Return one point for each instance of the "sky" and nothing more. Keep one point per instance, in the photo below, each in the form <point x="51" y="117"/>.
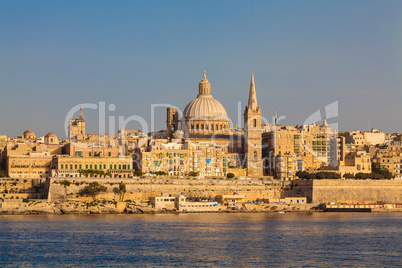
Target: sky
<point x="133" y="55"/>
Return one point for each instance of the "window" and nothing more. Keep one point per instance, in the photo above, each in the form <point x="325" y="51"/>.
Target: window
<point x="90" y="154"/>
<point x="96" y="166"/>
<point x="255" y="123"/>
<point x="110" y="154"/>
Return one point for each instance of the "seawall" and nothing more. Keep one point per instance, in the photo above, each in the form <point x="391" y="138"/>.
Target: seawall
<point x="142" y="189"/>
<point x="347" y="191"/>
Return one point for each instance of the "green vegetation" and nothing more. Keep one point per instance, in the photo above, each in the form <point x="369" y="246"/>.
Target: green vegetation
<point x="93" y="189"/>
<point x="25" y="200"/>
<point x="348" y="176"/>
<point x="304" y="175"/>
<point x="92" y="172"/>
<point x="193" y="174"/>
<point x="375" y="175"/>
<point x="230" y="175"/>
<point x="1" y="175"/>
<point x="66" y="183"/>
<point x="159" y="173"/>
<point x="122" y="190"/>
<point x="138" y="173"/>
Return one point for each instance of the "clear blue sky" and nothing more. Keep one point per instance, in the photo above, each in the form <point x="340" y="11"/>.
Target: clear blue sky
<point x="304" y="54"/>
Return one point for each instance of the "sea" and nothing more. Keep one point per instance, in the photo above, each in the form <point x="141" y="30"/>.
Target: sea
<point x="202" y="240"/>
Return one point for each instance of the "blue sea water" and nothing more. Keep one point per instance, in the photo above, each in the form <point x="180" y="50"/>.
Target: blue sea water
<point x="202" y="240"/>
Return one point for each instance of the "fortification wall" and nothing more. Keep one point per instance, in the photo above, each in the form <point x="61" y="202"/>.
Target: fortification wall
<point x="357" y="191"/>
<point x="20" y="188"/>
<point x="142" y="189"/>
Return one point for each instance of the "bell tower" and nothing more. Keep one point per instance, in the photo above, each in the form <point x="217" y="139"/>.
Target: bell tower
<point x="172" y="122"/>
<point x="252" y="134"/>
<point x="77" y="127"/>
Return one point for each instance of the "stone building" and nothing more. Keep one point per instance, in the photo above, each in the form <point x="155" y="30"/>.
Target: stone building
<point x="202" y="140"/>
<point x="76" y="128"/>
<point x="289" y="149"/>
<point x="70" y="166"/>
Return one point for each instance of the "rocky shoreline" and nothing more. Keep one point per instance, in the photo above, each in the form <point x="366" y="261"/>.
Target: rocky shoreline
<point x="111" y="207"/>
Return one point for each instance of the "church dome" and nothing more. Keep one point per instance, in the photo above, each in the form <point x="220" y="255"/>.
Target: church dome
<point x="204" y="115"/>
<point x="50" y="134"/>
<point x="205" y="106"/>
<point x="28" y="134"/>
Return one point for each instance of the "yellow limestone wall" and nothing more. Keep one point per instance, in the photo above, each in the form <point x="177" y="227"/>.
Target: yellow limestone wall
<point x="142" y="189"/>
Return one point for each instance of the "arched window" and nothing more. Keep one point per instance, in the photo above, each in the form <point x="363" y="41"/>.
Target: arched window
<point x="192" y="126"/>
<point x="202" y="126"/>
<point x="172" y="117"/>
<point x="212" y="126"/>
<point x="197" y="127"/>
<point x="221" y="127"/>
<point x="216" y="127"/>
<point x="51" y="140"/>
<point x="255" y="122"/>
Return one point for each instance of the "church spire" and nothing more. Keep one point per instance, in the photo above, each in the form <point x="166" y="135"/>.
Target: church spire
<point x="81" y="116"/>
<point x="325" y="124"/>
<point x="252" y="99"/>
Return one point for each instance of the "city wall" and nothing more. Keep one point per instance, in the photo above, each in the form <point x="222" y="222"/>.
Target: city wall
<point x="142" y="189"/>
<point x="347" y="191"/>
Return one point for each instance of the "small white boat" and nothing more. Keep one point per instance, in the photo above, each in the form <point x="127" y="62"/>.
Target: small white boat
<point x="281" y="212"/>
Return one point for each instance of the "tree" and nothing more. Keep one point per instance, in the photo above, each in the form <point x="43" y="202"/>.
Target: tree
<point x="1" y="175"/>
<point x="385" y="173"/>
<point x="93" y="189"/>
<point x="92" y="172"/>
<point x="138" y="173"/>
<point x="304" y="175"/>
<point x="348" y="176"/>
<point x="230" y="175"/>
<point x="193" y="173"/>
<point x="122" y="190"/>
